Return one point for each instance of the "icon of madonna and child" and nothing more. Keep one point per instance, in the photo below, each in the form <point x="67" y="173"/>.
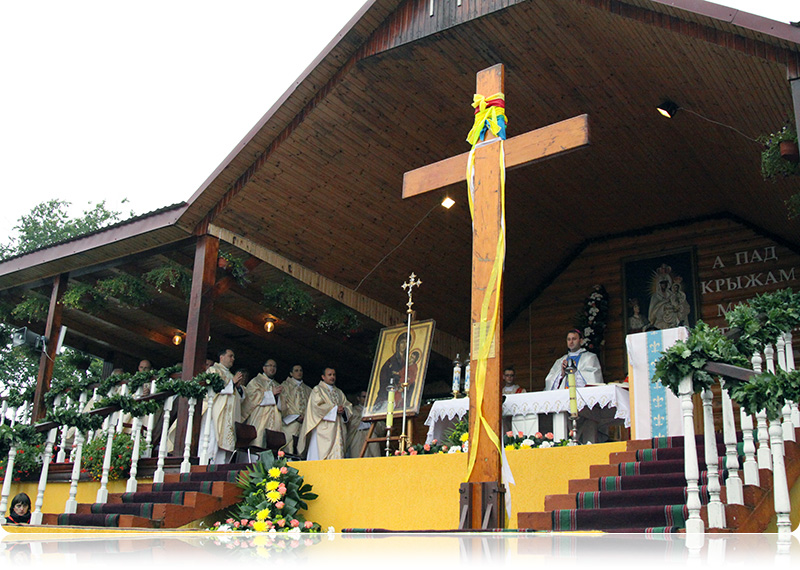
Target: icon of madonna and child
<point x="668" y="306"/>
<point x="389" y="368"/>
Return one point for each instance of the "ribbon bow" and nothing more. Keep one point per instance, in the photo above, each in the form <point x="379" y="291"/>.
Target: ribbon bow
<point x="490" y="113"/>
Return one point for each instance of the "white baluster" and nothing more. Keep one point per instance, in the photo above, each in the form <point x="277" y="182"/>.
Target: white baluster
<point x="780" y="486"/>
<point x="61" y="457"/>
<point x="186" y="464"/>
<point x="3" y="411"/>
<point x="73" y="451"/>
<point x="136" y="431"/>
<point x="12" y="454"/>
<point x="786" y="411"/>
<point x="158" y="476"/>
<point x="102" y="492"/>
<point x="733" y="483"/>
<point x="787" y="337"/>
<point x="36" y="515"/>
<point x="149" y="424"/>
<point x="780" y="346"/>
<point x="750" y="464"/>
<point x="123" y="390"/>
<point x="206" y="429"/>
<point x="764" y="455"/>
<point x="71" y="505"/>
<point x="716" y="510"/>
<point x="694" y="524"/>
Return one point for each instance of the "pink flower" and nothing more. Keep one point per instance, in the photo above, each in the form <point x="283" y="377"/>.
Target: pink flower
<point x="229" y="521"/>
<point x="281" y="523"/>
<point x="236" y="524"/>
<point x="281" y="454"/>
<point x="216" y="523"/>
<point x="308" y="524"/>
<point x="520" y="434"/>
<point x="549" y="435"/>
<point x="510" y="433"/>
<point x="295" y="523"/>
<point x="282" y="489"/>
<point x="279" y="505"/>
<point x="538" y="435"/>
<point x="444" y="448"/>
<point x="284" y="470"/>
<point x="412" y="452"/>
<point x="243" y="522"/>
<point x="397" y="452"/>
<point x="435" y="441"/>
<point x="426" y="447"/>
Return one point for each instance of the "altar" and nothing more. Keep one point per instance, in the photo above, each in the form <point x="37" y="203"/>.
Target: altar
<point x="604" y="404"/>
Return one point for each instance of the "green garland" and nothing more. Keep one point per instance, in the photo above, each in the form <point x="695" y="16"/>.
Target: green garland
<point x="73" y="418"/>
<point x="705" y="344"/>
<point x="763" y="319"/>
<point x="768" y="392"/>
<point x="64" y="386"/>
<point x="210" y="380"/>
<point x="129" y="405"/>
<point x="182" y="389"/>
<point x="16" y="399"/>
<point x="20" y="433"/>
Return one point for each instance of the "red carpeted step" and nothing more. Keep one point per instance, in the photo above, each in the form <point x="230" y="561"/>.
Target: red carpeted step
<point x="172" y="497"/>
<point x="620" y="518"/>
<point x="197" y="486"/>
<point x="652" y="481"/>
<point x="230" y="476"/>
<point x="657" y="467"/>
<point x="636" y="498"/>
<point x="650" y="530"/>
<point x="144" y="510"/>
<point x="105" y="520"/>
<point x="227" y="467"/>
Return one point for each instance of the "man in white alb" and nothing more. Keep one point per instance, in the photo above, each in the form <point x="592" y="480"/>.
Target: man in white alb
<point x="586" y="363"/>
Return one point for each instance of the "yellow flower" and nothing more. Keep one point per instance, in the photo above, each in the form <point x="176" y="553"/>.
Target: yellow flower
<point x="274" y="472"/>
<point x="259" y="526"/>
<point x="273" y="496"/>
<point x="262" y="515"/>
<point x="509" y="447"/>
<point x="464" y="436"/>
<point x="272" y="485"/>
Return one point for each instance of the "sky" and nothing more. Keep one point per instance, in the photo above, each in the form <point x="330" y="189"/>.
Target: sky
<point x="142" y="100"/>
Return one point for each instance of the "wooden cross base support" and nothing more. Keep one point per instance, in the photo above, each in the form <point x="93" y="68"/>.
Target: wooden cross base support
<point x="382" y="440"/>
<point x="482" y="506"/>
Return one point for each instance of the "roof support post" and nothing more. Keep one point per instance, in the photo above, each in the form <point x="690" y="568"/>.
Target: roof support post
<point x="198" y="327"/>
<point x="795" y="83"/>
<point x="52" y="331"/>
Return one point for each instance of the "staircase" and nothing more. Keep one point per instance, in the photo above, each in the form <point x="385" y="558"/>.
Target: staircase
<point x="181" y="499"/>
<point x="643" y="490"/>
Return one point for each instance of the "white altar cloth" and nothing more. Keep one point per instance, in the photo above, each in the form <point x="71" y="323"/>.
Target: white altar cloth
<point x="444" y="413"/>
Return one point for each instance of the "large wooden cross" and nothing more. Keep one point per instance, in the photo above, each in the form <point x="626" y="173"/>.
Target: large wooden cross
<point x="523" y="149"/>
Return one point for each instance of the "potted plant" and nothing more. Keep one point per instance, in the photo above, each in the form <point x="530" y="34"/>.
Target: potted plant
<point x="234" y="265"/>
<point x="780" y="155"/>
<point x="170" y="274"/>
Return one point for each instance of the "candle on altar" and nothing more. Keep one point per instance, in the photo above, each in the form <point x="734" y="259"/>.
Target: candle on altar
<point x="466" y="376"/>
<point x="573" y="396"/>
<point x="456" y="377"/>
<point x="390" y="408"/>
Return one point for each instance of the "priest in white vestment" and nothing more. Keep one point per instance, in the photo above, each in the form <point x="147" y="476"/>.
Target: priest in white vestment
<point x="324" y="430"/>
<point x="292" y="404"/>
<point x="260" y="405"/>
<point x="587" y="364"/>
<point x="226" y="408"/>
<point x="357" y="431"/>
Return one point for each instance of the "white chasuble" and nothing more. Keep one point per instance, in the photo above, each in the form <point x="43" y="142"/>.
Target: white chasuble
<point x="323" y="429"/>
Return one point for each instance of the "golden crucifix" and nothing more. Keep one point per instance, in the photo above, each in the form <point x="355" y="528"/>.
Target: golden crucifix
<point x="412" y="282"/>
<point x="486" y="342"/>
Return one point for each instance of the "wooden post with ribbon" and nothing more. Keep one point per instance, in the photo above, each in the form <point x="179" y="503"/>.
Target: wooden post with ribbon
<point x="484" y="170"/>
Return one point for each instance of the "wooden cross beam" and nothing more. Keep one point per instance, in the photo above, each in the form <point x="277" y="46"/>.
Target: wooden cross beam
<point x="521" y="150"/>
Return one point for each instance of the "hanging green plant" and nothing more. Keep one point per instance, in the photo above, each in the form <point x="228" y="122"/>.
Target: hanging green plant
<point x="768" y="391"/>
<point x="128" y="290"/>
<point x="338" y="318"/>
<point x="172" y="275"/>
<point x="763" y="319"/>
<point x="773" y="163"/>
<point x="287" y="297"/>
<point x="236" y="267"/>
<point x="33" y="308"/>
<point x="83" y="297"/>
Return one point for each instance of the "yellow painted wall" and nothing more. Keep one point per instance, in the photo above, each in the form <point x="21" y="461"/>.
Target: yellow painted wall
<point x="421" y="492"/>
<point x="56" y="494"/>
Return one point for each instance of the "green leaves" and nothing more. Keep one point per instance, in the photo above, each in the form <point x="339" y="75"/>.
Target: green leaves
<point x="768" y="392"/>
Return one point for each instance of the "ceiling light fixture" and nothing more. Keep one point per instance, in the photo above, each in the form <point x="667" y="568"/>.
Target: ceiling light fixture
<point x="269" y="326"/>
<point x="177" y="339"/>
<point x="668" y="108"/>
<point x="448" y="202"/>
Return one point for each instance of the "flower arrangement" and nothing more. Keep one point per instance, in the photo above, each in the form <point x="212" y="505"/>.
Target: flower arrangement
<point x="27" y="462"/>
<point x="433" y="448"/>
<point x="519" y="440"/>
<point x="459" y="434"/>
<point x="121" y="456"/>
<point x="593" y="318"/>
<point x="773" y="164"/>
<point x="273" y="493"/>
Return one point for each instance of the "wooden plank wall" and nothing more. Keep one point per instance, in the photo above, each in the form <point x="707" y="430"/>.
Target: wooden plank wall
<point x="734" y="263"/>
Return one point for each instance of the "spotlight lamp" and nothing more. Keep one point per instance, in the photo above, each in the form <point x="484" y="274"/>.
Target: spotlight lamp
<point x="269" y="325"/>
<point x="177" y="339"/>
<point x="668" y="108"/>
<point x="448" y="202"/>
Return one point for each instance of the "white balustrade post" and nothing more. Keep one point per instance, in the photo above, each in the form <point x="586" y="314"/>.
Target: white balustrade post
<point x="186" y="464"/>
<point x="733" y="484"/>
<point x="149" y="425"/>
<point x="786" y="411"/>
<point x="3" y="411"/>
<point x="36" y="515"/>
<point x="136" y="430"/>
<point x="750" y="468"/>
<point x="787" y="337"/>
<point x="71" y="506"/>
<point x="716" y="510"/>
<point x="102" y="492"/>
<point x="780" y="486"/>
<point x="61" y="457"/>
<point x="81" y="404"/>
<point x="694" y="524"/>
<point x="206" y="429"/>
<point x="123" y="390"/>
<point x="764" y="455"/>
<point x="12" y="454"/>
<point x="158" y="476"/>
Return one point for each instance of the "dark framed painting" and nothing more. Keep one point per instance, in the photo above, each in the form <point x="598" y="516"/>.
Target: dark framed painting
<point x="661" y="291"/>
<point x="389" y="367"/>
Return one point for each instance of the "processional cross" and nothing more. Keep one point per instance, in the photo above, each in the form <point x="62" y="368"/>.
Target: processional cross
<point x="481" y="505"/>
